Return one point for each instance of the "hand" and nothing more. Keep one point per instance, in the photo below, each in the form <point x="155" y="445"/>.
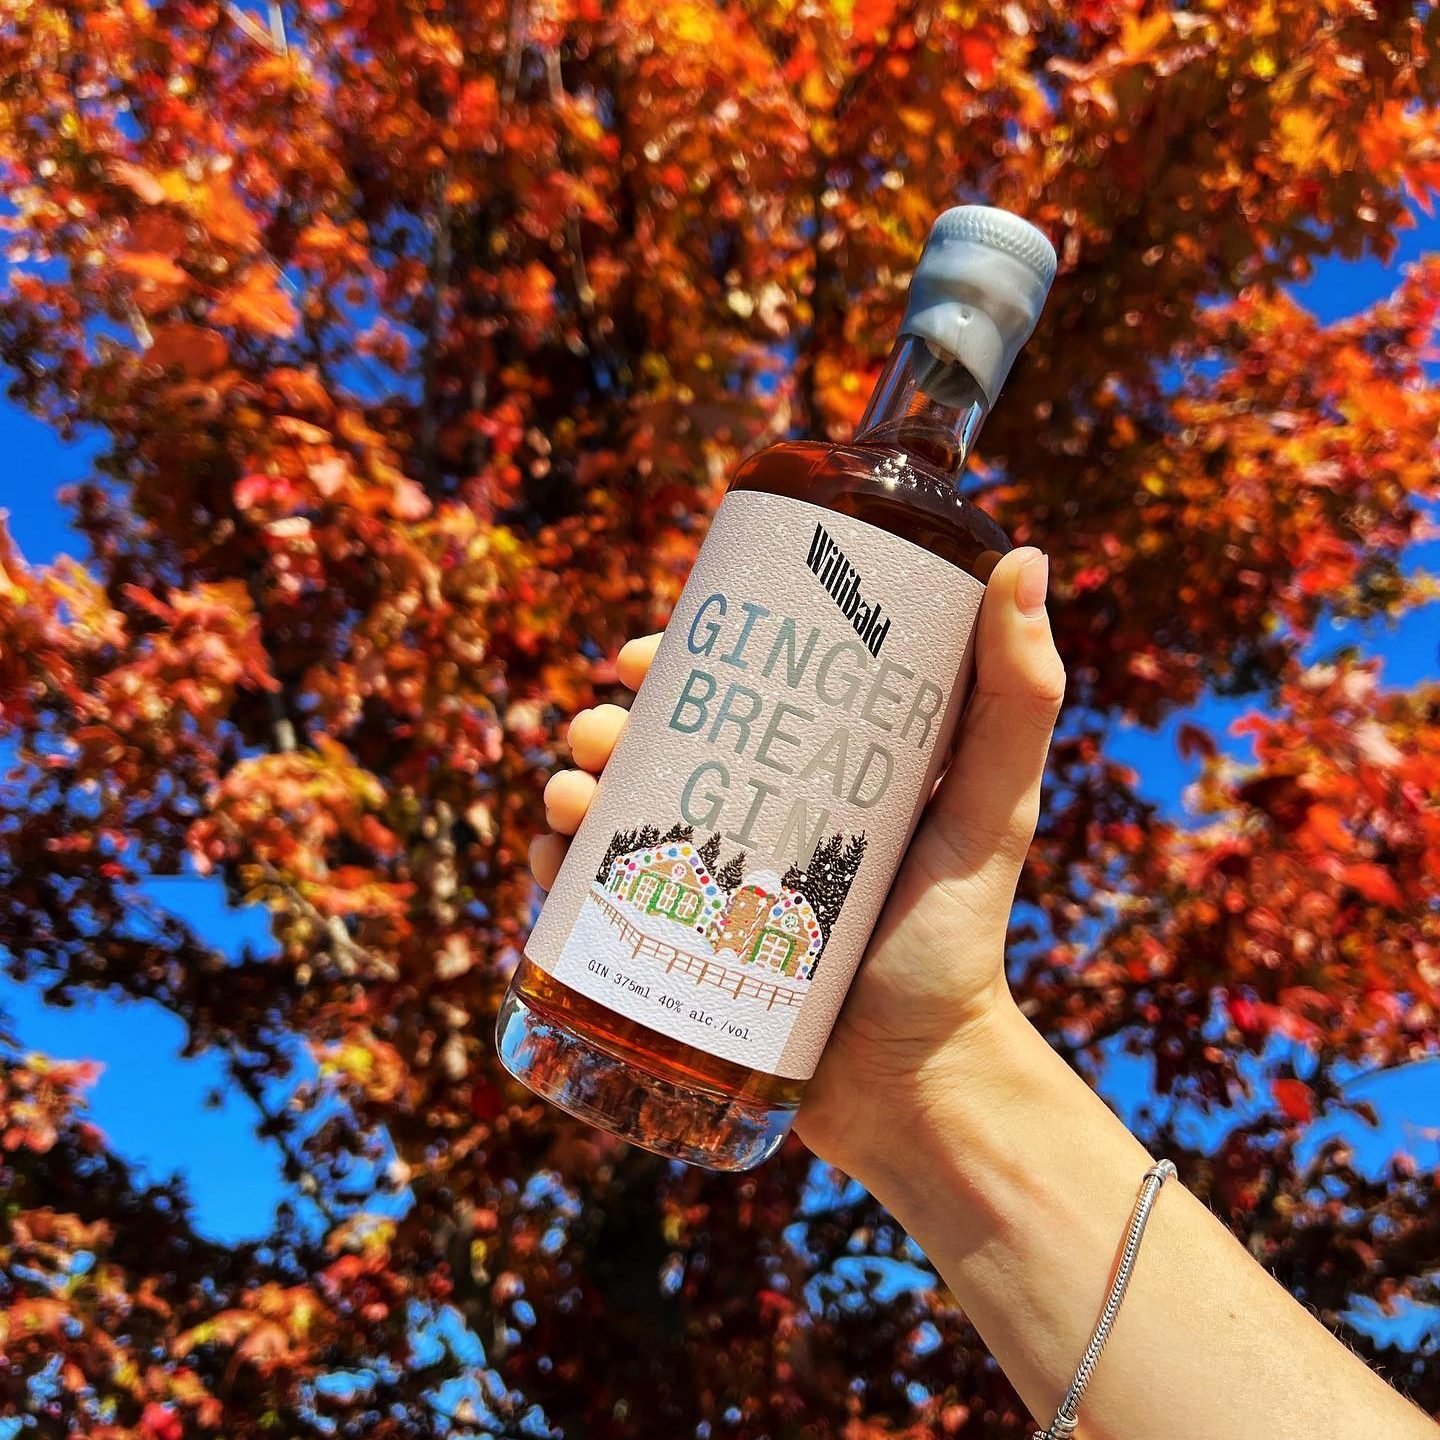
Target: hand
<point x="934" y="972"/>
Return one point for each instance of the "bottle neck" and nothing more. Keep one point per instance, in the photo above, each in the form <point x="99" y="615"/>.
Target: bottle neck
<point x="925" y="404"/>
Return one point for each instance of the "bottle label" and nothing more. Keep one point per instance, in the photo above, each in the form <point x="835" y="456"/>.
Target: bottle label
<point x="744" y="835"/>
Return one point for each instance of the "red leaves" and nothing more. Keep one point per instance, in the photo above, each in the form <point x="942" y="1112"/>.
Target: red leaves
<point x="476" y="111"/>
<point x="1295" y="1099"/>
<point x="419" y="571"/>
<point x="978" y="56"/>
<point x="160" y="1422"/>
<point x="271" y="492"/>
<point x="1195" y="743"/>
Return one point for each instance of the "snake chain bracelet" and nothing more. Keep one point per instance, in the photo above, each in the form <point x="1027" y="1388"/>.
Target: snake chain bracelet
<point x="1062" y="1427"/>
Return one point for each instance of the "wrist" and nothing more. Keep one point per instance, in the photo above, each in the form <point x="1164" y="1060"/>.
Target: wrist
<point x="951" y="1097"/>
<point x="997" y="1130"/>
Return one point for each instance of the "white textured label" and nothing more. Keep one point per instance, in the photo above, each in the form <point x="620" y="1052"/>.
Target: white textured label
<point x="746" y="831"/>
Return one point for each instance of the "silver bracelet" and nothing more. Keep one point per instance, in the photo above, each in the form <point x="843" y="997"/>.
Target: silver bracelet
<point x="1062" y="1427"/>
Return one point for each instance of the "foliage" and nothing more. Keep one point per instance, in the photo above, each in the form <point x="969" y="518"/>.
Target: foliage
<point x="421" y="337"/>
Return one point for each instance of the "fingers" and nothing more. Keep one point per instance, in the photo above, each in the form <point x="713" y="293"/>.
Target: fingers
<point x="546" y="853"/>
<point x="567" y="797"/>
<point x="989" y="800"/>
<point x="634" y="659"/>
<point x="592" y="737"/>
<point x="593" y="734"/>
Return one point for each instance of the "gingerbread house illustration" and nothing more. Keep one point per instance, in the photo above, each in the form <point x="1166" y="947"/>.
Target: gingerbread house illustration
<point x="769" y="925"/>
<point x="668" y="879"/>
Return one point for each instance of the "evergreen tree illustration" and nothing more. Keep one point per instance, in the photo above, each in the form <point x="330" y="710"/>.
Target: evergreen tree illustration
<point x="678" y="831"/>
<point x="621" y="843"/>
<point x="732" y="872"/>
<point x="824" y="882"/>
<point x="854" y="854"/>
<point x="709" y="852"/>
<point x="649" y="835"/>
<point x="827" y="890"/>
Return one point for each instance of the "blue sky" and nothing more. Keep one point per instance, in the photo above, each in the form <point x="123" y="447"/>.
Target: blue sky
<point x="156" y="1107"/>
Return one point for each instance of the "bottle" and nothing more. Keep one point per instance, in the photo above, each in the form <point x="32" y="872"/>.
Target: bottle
<point x="690" y="960"/>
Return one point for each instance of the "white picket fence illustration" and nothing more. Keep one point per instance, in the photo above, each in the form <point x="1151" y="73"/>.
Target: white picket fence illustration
<point x="702" y="970"/>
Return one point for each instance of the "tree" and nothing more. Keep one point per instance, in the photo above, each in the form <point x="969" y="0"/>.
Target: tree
<point x="709" y="852"/>
<point x="418" y="340"/>
<point x="826" y="881"/>
<point x="621" y="843"/>
<point x="732" y="872"/>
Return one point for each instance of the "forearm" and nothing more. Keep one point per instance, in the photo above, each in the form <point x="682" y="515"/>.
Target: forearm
<point x="1017" y="1182"/>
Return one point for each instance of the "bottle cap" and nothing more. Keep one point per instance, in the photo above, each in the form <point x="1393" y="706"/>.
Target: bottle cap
<point x="978" y="289"/>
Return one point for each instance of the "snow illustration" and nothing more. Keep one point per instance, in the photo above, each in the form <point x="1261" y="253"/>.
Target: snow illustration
<point x="672" y="896"/>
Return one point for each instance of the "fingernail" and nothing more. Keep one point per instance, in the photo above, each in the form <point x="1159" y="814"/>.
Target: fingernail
<point x="1032" y="583"/>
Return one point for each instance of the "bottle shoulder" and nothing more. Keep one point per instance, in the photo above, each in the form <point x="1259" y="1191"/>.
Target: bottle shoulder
<point x="884" y="488"/>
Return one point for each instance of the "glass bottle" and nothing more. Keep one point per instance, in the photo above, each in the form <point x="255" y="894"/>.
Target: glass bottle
<point x="677" y="989"/>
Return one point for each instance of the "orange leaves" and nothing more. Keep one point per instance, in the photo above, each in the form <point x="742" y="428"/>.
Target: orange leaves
<point x="1324" y="829"/>
<point x="275" y="1329"/>
<point x="1374" y="882"/>
<point x="151" y="268"/>
<point x="257" y="304"/>
<point x="1304" y="139"/>
<point x="196" y="352"/>
<point x="371" y="1065"/>
<point x="1402" y="142"/>
<point x="138" y="180"/>
<point x="157" y="280"/>
<point x="218" y="206"/>
<point x="530" y="294"/>
<point x="211" y="200"/>
<point x="672" y="230"/>
<point x="864" y="19"/>
<point x="39" y="1099"/>
<point x="302" y="391"/>
<point x="277" y="818"/>
<point x="477" y="110"/>
<point x="325" y="242"/>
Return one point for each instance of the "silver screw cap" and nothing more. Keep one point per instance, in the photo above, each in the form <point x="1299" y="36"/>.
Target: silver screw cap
<point x="979" y="288"/>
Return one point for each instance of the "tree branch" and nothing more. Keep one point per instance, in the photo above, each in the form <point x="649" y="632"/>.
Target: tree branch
<point x="580" y="286"/>
<point x="441" y="259"/>
<point x="272" y="39"/>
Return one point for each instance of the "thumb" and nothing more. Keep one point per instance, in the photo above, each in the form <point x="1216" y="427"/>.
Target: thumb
<point x="989" y="800"/>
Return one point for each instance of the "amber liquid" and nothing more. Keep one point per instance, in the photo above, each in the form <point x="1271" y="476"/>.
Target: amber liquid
<point x="908" y="497"/>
